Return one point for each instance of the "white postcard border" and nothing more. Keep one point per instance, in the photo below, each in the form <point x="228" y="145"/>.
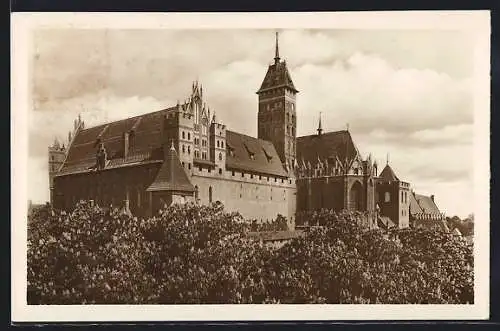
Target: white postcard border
<point x="24" y="23"/>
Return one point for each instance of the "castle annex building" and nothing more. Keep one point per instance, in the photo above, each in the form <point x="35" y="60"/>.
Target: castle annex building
<point x="185" y="153"/>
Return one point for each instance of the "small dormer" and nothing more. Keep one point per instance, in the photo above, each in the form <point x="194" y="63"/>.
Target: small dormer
<point x="268" y="156"/>
<point x="251" y="154"/>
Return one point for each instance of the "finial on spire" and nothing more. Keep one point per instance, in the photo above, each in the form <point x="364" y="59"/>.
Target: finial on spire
<point x="347" y="126"/>
<point x="277" y="51"/>
<point x="320" y="129"/>
<point x="387" y="160"/>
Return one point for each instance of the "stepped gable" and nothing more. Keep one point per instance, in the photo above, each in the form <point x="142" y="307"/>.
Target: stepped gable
<point x="277" y="76"/>
<point x="252" y="154"/>
<point x="171" y="176"/>
<point x="388" y="174"/>
<point x="145" y="147"/>
<point x="326" y="146"/>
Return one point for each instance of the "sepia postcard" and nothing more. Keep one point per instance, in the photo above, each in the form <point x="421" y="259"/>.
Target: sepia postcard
<point x="250" y="167"/>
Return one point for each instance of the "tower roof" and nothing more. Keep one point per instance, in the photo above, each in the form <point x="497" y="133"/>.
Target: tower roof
<point x="277" y="74"/>
<point x="388" y="174"/>
<point x="171" y="176"/>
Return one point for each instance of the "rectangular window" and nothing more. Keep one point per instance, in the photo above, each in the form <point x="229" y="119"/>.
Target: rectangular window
<point x="232" y="173"/>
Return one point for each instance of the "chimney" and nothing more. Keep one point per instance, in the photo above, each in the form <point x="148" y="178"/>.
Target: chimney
<point x="432" y="198"/>
<point x="126" y="144"/>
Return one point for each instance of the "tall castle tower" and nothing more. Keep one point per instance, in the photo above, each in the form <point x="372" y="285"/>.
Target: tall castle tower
<point x="277" y="119"/>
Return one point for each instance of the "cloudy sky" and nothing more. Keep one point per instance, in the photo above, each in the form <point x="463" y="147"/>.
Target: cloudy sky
<point x="406" y="93"/>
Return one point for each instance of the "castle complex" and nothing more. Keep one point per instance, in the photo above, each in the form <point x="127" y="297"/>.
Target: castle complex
<point x="185" y="153"/>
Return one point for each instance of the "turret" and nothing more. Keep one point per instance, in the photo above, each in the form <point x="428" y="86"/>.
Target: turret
<point x="218" y="145"/>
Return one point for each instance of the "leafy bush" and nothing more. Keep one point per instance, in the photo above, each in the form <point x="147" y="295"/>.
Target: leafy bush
<point x="201" y="254"/>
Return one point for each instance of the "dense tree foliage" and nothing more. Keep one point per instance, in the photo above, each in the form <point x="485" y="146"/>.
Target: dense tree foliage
<point x="201" y="254"/>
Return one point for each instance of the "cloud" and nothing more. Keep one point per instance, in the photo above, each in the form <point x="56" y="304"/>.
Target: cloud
<point x="102" y="107"/>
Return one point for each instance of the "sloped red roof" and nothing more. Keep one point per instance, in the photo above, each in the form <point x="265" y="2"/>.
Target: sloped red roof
<point x="426" y="204"/>
<point x="171" y="176"/>
<point x="414" y="206"/>
<point x="277" y="75"/>
<point x="326" y="146"/>
<point x="146" y="143"/>
<point x="146" y="146"/>
<point x="388" y="174"/>
<point x="252" y="154"/>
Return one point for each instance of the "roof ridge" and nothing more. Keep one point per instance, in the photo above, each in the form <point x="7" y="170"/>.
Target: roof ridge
<point x="324" y="134"/>
<point x="127" y="119"/>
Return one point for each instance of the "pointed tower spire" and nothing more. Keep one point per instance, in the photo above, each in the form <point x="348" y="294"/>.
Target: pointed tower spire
<point x="277" y="51"/>
<point x="320" y="129"/>
<point x="387" y="160"/>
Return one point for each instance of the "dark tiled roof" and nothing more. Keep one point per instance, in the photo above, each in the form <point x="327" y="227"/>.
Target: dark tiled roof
<point x="146" y="143"/>
<point x="171" y="176"/>
<point x="414" y="207"/>
<point x="426" y="204"/>
<point x="388" y="174"/>
<point x="326" y="146"/>
<point x="146" y="146"/>
<point x="265" y="159"/>
<point x="277" y="75"/>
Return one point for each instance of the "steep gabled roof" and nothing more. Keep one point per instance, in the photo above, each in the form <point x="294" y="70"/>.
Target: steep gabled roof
<point x="326" y="146"/>
<point x="414" y="206"/>
<point x="427" y="205"/>
<point x="252" y="154"/>
<point x="388" y="174"/>
<point x="277" y="76"/>
<point x="171" y="176"/>
<point x="146" y="146"/>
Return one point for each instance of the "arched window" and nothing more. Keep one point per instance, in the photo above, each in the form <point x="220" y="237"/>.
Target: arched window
<point x="218" y="144"/>
<point x="220" y="171"/>
<point x="220" y="156"/>
<point x="183" y="135"/>
<point x="210" y="194"/>
<point x="183" y="148"/>
<point x="189" y="150"/>
<point x="189" y="136"/>
<point x="402" y="197"/>
<point x="221" y="144"/>
<point x="387" y="197"/>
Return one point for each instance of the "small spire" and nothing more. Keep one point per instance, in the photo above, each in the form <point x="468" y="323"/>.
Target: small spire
<point x="277" y="51"/>
<point x="320" y="129"/>
<point x="387" y="160"/>
<point x="347" y="127"/>
<point x="172" y="148"/>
